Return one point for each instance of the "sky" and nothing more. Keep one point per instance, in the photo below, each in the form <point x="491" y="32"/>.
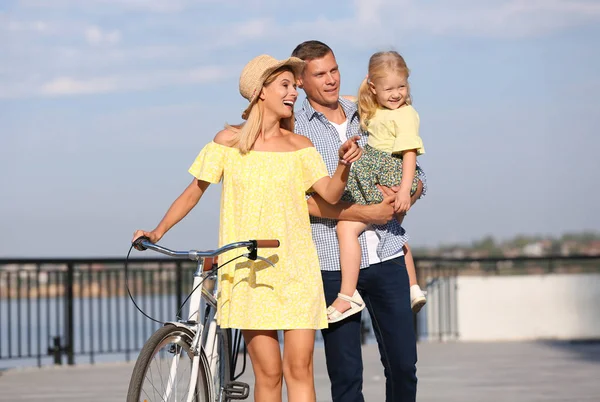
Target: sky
<point x="104" y="104"/>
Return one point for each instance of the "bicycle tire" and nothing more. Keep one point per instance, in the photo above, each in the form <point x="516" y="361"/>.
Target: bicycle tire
<point x="150" y="349"/>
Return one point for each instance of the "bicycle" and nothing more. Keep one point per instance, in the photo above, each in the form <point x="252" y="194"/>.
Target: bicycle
<point x="213" y="357"/>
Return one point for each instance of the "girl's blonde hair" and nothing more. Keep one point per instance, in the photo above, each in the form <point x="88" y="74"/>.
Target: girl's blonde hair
<point x="247" y="133"/>
<point x="380" y="65"/>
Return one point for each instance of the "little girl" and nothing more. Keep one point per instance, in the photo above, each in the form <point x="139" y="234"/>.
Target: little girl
<point x="389" y="159"/>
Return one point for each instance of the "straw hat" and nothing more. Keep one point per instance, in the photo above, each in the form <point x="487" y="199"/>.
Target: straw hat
<point x="257" y="71"/>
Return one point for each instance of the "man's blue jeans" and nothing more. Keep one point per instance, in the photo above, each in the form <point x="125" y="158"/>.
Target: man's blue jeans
<point x="385" y="290"/>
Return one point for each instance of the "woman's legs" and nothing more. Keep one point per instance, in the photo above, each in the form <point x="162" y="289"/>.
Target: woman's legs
<point x="263" y="347"/>
<point x="347" y="233"/>
<point x="298" y="364"/>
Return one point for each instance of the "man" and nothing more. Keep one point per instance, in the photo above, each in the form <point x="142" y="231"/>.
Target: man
<point x="328" y="120"/>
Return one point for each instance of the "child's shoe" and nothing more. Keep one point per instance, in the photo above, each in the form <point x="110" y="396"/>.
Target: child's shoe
<point x="417" y="298"/>
<point x="356" y="305"/>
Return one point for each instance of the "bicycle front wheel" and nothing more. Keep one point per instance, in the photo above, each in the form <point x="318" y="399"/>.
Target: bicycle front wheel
<point x="163" y="370"/>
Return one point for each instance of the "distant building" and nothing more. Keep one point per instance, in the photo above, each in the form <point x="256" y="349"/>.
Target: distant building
<point x="534" y="249"/>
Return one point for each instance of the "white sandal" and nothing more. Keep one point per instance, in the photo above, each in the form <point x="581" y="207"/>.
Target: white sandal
<point x="357" y="304"/>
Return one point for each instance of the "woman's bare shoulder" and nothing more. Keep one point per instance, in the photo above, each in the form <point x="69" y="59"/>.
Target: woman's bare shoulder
<point x="300" y="141"/>
<point x="226" y="136"/>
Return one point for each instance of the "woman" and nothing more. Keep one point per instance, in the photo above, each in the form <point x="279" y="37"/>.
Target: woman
<point x="266" y="170"/>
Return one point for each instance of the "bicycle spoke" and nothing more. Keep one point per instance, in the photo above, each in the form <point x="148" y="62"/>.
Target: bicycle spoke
<point x="166" y="356"/>
<point x="151" y="378"/>
<point x="154" y="390"/>
<point x="177" y="384"/>
<point x="162" y="383"/>
<point x="165" y="388"/>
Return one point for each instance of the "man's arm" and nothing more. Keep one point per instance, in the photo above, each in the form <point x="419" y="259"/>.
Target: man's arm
<point x="378" y="214"/>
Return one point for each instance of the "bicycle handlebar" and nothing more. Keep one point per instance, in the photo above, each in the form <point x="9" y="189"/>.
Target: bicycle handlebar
<point x="267" y="243"/>
<point x="143" y="243"/>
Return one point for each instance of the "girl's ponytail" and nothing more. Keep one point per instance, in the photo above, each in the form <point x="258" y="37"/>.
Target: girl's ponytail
<point x="367" y="103"/>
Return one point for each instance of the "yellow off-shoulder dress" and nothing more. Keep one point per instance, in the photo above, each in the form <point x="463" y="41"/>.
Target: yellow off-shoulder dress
<point x="263" y="197"/>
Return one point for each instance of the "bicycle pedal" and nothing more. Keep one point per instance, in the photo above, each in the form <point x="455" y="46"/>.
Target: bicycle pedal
<point x="236" y="390"/>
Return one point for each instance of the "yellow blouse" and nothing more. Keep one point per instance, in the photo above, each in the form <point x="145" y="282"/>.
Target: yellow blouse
<point x="395" y="130"/>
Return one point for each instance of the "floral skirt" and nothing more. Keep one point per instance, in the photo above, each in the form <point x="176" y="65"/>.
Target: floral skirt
<point x="375" y="167"/>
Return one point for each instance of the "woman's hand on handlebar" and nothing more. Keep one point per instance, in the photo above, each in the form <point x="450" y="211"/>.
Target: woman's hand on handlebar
<point x="153" y="236"/>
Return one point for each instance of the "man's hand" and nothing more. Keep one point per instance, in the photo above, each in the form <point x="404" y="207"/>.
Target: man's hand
<point x="388" y="191"/>
<point x="382" y="213"/>
<point x="393" y="192"/>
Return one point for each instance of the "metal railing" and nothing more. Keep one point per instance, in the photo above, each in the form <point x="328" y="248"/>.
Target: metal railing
<point x="438" y="320"/>
<point x="61" y="309"/>
<point x="56" y="311"/>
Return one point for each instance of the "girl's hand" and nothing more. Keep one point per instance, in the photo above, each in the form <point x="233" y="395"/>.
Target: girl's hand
<point x="153" y="236"/>
<point x="402" y="202"/>
<point x="350" y="152"/>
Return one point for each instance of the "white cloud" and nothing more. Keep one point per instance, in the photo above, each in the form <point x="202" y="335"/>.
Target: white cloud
<point x="63" y="62"/>
<point x="71" y="86"/>
<point x="125" y="82"/>
<point x="65" y="86"/>
<point x="392" y="20"/>
<point x="22" y="26"/>
<point x="116" y="6"/>
<point x="500" y="18"/>
<point x="504" y="18"/>
<point x="253" y="28"/>
<point x="369" y="11"/>
<point x="96" y="36"/>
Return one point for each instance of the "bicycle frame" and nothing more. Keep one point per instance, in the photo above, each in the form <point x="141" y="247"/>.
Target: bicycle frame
<point x="203" y="298"/>
<point x="200" y="296"/>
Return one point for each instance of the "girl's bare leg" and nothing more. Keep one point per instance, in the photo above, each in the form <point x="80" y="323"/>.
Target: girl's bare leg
<point x="417" y="297"/>
<point x="298" y="347"/>
<point x="263" y="348"/>
<point x="347" y="233"/>
<point x="410" y="265"/>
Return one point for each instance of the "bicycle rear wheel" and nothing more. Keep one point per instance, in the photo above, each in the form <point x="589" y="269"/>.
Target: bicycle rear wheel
<point x="223" y="373"/>
<point x="163" y="369"/>
<point x="226" y="388"/>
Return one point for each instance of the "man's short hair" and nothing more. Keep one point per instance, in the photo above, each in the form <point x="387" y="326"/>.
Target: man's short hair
<point x="311" y="49"/>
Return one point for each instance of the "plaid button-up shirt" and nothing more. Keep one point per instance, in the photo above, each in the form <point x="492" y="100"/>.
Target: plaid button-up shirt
<point x="326" y="139"/>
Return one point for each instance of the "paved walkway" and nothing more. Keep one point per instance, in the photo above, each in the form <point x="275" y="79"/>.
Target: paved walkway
<point x="451" y="372"/>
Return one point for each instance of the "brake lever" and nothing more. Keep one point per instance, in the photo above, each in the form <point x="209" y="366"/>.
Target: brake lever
<point x="250" y="256"/>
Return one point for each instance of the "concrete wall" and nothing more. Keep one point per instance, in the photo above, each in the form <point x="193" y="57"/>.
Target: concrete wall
<point x="529" y="307"/>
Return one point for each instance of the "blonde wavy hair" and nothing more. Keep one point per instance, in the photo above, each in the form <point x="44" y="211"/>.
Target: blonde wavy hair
<point x="247" y="133"/>
<point x="380" y="65"/>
